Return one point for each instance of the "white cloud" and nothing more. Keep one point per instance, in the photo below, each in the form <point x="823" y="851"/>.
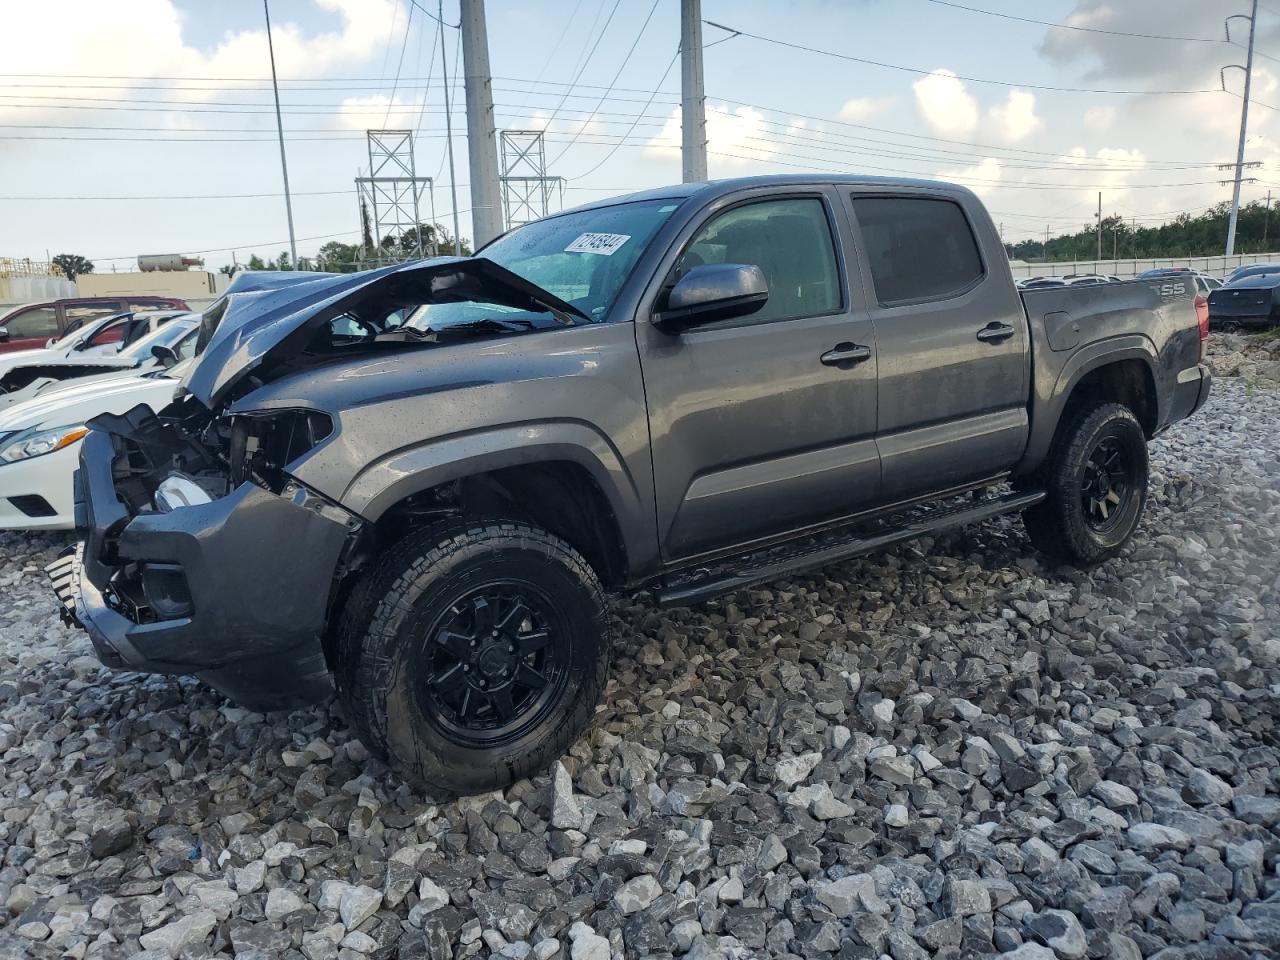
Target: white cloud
<point x="944" y="103"/>
<point x="981" y="178"/>
<point x="735" y="131"/>
<point x="1016" y="118"/>
<point x="362" y="113"/>
<point x="1099" y="119"/>
<point x="864" y="108"/>
<point x="145" y="38"/>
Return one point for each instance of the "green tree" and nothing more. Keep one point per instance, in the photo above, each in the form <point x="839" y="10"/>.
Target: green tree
<point x="72" y="264"/>
<point x="256" y="263"/>
<point x="1184" y="235"/>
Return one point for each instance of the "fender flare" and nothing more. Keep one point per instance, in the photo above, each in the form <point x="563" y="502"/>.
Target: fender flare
<point x="413" y="469"/>
<point x="1046" y="414"/>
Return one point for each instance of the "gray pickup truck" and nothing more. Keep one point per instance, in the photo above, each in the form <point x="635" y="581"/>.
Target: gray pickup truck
<point x="419" y="484"/>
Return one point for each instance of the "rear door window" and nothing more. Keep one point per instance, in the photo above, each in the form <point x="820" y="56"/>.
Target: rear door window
<point x="918" y="248"/>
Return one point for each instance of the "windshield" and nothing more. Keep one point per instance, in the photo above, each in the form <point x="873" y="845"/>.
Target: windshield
<point x="167" y="336"/>
<point x="82" y="330"/>
<point x="583" y="258"/>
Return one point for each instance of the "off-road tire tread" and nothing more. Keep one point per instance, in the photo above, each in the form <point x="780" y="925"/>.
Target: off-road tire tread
<point x="1056" y="525"/>
<point x="364" y="654"/>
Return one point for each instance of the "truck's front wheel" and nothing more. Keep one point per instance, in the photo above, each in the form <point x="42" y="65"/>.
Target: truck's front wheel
<point x="474" y="654"/>
<point x="1096" y="481"/>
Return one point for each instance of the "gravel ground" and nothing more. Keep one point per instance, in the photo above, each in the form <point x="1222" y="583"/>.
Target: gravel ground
<point x="945" y="750"/>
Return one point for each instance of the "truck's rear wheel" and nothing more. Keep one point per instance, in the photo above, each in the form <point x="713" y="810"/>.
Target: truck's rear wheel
<point x="1096" y="481"/>
<point x="474" y="654"/>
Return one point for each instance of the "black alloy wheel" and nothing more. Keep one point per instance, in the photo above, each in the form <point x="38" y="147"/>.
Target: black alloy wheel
<point x="473" y="653"/>
<point x="495" y="659"/>
<point x="1106" y="485"/>
<point x="1095" y="485"/>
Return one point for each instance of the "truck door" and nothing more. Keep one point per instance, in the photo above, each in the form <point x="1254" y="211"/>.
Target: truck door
<point x="765" y="422"/>
<point x="952" y="341"/>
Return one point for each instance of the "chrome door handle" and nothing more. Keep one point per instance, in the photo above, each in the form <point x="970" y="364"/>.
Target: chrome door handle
<point x="995" y="331"/>
<point x="846" y="355"/>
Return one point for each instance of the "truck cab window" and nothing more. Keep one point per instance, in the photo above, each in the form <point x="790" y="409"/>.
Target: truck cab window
<point x="789" y="240"/>
<point x="918" y="248"/>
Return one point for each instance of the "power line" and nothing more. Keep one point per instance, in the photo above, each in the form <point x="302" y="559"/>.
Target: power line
<point x="590" y="53"/>
<point x="1068" y="26"/>
<point x="621" y="66"/>
<point x="671" y="63"/>
<point x="924" y="73"/>
<point x="555" y="47"/>
<point x="408" y="28"/>
<point x="786" y="137"/>
<point x="422" y="9"/>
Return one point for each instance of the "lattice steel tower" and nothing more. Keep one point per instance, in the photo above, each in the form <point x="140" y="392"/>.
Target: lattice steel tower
<point x="526" y="189"/>
<point x="392" y="193"/>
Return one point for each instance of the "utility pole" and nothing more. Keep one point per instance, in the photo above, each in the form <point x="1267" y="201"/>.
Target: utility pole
<point x="1244" y="126"/>
<point x="482" y="142"/>
<point x="284" y="166"/>
<point x="693" y="122"/>
<point x="1099" y="224"/>
<point x="448" y="134"/>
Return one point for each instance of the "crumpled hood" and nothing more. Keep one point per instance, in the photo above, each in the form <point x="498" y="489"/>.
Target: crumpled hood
<point x="265" y="318"/>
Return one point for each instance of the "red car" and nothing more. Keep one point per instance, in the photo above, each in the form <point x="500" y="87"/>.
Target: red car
<point x="31" y="325"/>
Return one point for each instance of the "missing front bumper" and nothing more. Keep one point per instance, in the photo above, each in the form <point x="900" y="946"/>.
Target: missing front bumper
<point x="259" y="566"/>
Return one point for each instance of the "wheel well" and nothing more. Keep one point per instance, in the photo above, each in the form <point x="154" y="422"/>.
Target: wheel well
<point x="560" y="496"/>
<point x="1125" y="381"/>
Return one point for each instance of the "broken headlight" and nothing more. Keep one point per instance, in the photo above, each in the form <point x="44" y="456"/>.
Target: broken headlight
<point x="263" y="444"/>
<point x="179" y="490"/>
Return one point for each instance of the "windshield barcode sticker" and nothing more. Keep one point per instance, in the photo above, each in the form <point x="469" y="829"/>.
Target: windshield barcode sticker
<point x="605" y="244"/>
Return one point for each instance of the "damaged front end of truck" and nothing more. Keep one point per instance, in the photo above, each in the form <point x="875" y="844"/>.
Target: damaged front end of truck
<point x="202" y="551"/>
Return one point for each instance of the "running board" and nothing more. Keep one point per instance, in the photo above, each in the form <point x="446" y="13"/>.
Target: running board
<point x="795" y="556"/>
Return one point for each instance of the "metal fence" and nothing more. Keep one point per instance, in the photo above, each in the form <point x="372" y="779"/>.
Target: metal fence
<point x="1213" y="266"/>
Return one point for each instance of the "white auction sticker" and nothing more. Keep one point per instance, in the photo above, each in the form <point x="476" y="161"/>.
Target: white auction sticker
<point x="605" y="244"/>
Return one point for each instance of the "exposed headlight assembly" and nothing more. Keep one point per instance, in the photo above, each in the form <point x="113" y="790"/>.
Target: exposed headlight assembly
<point x="38" y="442"/>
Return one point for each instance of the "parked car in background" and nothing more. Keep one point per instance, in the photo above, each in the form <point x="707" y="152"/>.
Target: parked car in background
<point x="1085" y="278"/>
<point x="40" y="442"/>
<point x="1250" y="303"/>
<point x="32" y="325"/>
<point x="1252" y="270"/>
<point x="420" y="481"/>
<point x="24" y="381"/>
<point x="1035" y="283"/>
<point x="96" y="337"/>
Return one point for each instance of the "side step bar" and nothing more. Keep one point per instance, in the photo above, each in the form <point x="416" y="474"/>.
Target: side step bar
<point x="795" y="556"/>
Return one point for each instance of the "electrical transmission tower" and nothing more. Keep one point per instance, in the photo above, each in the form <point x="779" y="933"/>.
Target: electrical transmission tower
<point x="526" y="188"/>
<point x="391" y="198"/>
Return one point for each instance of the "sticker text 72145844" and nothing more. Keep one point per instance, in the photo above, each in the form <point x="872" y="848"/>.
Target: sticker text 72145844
<point x="604" y="244"/>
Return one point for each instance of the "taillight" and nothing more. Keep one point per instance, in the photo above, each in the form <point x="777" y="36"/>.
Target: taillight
<point x="1202" y="318"/>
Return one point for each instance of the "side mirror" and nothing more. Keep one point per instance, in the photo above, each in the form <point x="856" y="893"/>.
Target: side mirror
<point x="713" y="291"/>
<point x="4" y="334"/>
<point x="167" y="356"/>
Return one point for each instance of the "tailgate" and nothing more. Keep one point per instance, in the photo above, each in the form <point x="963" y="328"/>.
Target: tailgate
<point x="1240" y="302"/>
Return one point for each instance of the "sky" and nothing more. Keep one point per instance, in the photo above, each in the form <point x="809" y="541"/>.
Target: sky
<point x="172" y="102"/>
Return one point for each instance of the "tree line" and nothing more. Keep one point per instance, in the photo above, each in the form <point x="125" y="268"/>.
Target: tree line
<point x="1203" y="235"/>
<point x="424" y="240"/>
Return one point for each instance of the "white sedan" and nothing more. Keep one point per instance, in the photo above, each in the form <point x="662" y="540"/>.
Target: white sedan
<point x="22" y="383"/>
<point x="100" y="336"/>
<point x="40" y="442"/>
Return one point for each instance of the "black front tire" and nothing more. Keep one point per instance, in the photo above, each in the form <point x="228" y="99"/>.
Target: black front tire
<point x="1095" y="479"/>
<point x="473" y="654"/>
